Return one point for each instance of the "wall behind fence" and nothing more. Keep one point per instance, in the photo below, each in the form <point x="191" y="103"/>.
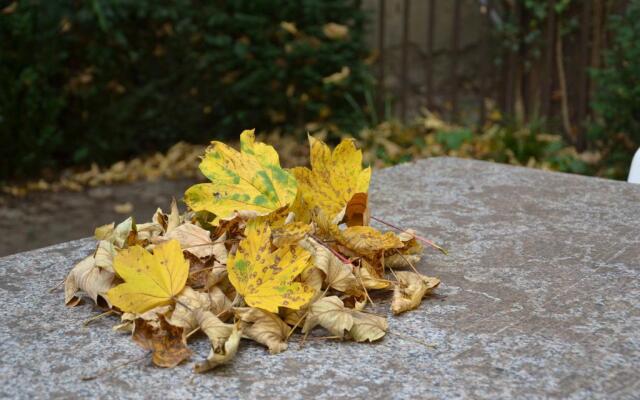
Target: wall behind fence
<point x="465" y="58"/>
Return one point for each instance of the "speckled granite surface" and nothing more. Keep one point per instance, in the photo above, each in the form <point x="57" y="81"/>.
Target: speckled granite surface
<point x="540" y="298"/>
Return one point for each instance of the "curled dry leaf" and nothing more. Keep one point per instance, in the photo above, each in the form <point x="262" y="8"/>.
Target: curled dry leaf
<point x="173" y="220"/>
<point x="89" y="278"/>
<point x="338" y="275"/>
<point x="150" y="280"/>
<point x="103" y="232"/>
<point x="224" y="355"/>
<point x="410" y="290"/>
<point x="120" y="235"/>
<point x="104" y="255"/>
<point x="367" y="327"/>
<point x="250" y="180"/>
<point x="197" y="241"/>
<point x="146" y="233"/>
<point x="331" y="314"/>
<point x="167" y="342"/>
<point x="189" y="301"/>
<point x="367" y="275"/>
<point x="265" y="278"/>
<point x="217" y="331"/>
<point x="152" y="317"/>
<point x="356" y="212"/>
<point x="264" y="327"/>
<point x="406" y="256"/>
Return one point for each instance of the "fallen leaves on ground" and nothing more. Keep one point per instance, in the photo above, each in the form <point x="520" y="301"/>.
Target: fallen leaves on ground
<point x="262" y="253"/>
<point x="180" y="161"/>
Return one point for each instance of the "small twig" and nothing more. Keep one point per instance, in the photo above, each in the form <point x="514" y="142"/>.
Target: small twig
<point x="325" y="337"/>
<point x="335" y="253"/>
<point x="204" y="244"/>
<point x="297" y="324"/>
<point x="205" y="269"/>
<point x="183" y="304"/>
<point x="57" y="286"/>
<point x="304" y="338"/>
<point x="192" y="332"/>
<point x="420" y="238"/>
<point x="394" y="274"/>
<point x="115" y="367"/>
<point x="97" y="317"/>
<point x="408" y="262"/>
<point x="366" y="293"/>
<point x="429" y="345"/>
<point x="304" y="316"/>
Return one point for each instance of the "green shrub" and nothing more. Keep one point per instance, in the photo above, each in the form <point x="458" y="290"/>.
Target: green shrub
<point x="95" y="81"/>
<point x="617" y="100"/>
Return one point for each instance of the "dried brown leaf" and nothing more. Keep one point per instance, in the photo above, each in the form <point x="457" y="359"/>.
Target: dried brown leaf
<point x="189" y="301"/>
<point x="167" y="342"/>
<point x="89" y="278"/>
<point x="217" y="331"/>
<point x="264" y="327"/>
<point x="338" y="275"/>
<point x="224" y="355"/>
<point x="367" y="326"/>
<point x="331" y="314"/>
<point x="197" y="241"/>
<point x="368" y="276"/>
<point x="410" y="290"/>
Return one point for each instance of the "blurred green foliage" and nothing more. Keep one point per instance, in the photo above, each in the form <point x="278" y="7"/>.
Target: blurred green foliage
<point x="617" y="98"/>
<point x="101" y="80"/>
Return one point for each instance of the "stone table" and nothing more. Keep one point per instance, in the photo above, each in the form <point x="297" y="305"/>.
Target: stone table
<point x="540" y="298"/>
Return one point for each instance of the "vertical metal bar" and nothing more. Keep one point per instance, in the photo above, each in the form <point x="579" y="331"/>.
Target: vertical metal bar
<point x="547" y="78"/>
<point x="512" y="67"/>
<point x="485" y="82"/>
<point x="405" y="59"/>
<point x="429" y="64"/>
<point x="583" y="76"/>
<point x="381" y="54"/>
<point x="455" y="45"/>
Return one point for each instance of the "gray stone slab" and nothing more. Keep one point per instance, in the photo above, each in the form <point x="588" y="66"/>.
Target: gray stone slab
<point x="540" y="298"/>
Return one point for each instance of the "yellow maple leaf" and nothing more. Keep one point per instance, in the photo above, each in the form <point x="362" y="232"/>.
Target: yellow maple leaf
<point x="265" y="278"/>
<point x="333" y="178"/>
<point x="150" y="280"/>
<point x="249" y="180"/>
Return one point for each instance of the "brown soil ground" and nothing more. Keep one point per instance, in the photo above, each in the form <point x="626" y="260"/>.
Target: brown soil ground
<point x="45" y="218"/>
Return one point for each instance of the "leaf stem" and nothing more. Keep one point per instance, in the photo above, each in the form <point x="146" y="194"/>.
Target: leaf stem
<point x="408" y="262"/>
<point x="342" y="258"/>
<point x="420" y="238"/>
<point x="115" y="367"/>
<point x="96" y="317"/>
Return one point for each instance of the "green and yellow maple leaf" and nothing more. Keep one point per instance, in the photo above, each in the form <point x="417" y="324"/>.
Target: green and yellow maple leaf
<point x="249" y="180"/>
<point x="150" y="280"/>
<point x="265" y="278"/>
<point x="334" y="177"/>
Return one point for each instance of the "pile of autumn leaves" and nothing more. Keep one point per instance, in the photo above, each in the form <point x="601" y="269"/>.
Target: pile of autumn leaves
<point x="261" y="252"/>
